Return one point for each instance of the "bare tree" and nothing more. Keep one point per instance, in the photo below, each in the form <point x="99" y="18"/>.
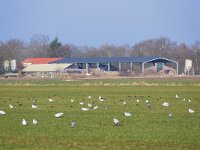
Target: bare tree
<point x="196" y="49"/>
<point x="39" y="46"/>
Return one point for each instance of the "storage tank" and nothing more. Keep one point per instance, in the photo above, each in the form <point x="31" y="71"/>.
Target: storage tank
<point x="6" y="65"/>
<point x="13" y="65"/>
<point x="188" y="65"/>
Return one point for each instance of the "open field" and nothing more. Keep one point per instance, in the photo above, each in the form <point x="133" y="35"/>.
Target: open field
<point x="147" y="128"/>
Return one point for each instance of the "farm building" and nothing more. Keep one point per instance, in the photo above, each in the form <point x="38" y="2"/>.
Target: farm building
<point x="41" y="66"/>
<point x="127" y="65"/>
<point x="143" y="65"/>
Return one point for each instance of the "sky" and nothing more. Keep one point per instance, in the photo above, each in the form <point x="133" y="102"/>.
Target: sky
<point x="98" y="22"/>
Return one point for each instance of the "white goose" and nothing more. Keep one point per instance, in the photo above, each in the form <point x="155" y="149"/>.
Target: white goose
<point x="24" y="122"/>
<point x="124" y="103"/>
<point x="58" y="115"/>
<point x="89" y="105"/>
<point x="191" y="111"/>
<point x="82" y="103"/>
<point x="116" y="121"/>
<point x="11" y="106"/>
<point x="127" y="114"/>
<point x="165" y="104"/>
<point x="51" y="100"/>
<point x="35" y="106"/>
<point x="85" y="109"/>
<point x="2" y="112"/>
<point x="35" y="121"/>
<point x="101" y="99"/>
<point x="95" y="107"/>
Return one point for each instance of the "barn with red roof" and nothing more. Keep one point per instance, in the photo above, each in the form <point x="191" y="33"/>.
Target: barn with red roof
<point x="30" y="61"/>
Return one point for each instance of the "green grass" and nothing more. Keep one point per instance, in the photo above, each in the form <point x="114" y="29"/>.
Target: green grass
<point x="131" y="81"/>
<point x="145" y="129"/>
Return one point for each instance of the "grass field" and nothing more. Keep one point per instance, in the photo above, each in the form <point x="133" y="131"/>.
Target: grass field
<point x="147" y="128"/>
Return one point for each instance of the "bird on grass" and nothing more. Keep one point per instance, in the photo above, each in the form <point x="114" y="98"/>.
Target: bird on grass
<point x="89" y="105"/>
<point x="11" y="106"/>
<point x="95" y="107"/>
<point x="170" y="115"/>
<point x="82" y="103"/>
<point x="165" y="104"/>
<point x="191" y="111"/>
<point x="35" y="121"/>
<point x="148" y="104"/>
<point x="51" y="100"/>
<point x="72" y="124"/>
<point x="24" y="122"/>
<point x="85" y="109"/>
<point x="124" y="103"/>
<point x="2" y="112"/>
<point x="58" y="115"/>
<point x="116" y="122"/>
<point x="34" y="106"/>
<point x="127" y="114"/>
<point x="101" y="99"/>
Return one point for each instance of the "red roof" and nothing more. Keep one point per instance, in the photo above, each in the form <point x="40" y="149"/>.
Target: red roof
<point x="40" y="60"/>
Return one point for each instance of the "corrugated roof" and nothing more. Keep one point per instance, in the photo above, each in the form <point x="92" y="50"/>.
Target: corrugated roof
<point x="112" y="59"/>
<point x="46" y="68"/>
<point x="40" y="60"/>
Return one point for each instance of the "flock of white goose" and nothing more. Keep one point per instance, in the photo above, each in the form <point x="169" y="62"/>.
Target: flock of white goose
<point x="91" y="106"/>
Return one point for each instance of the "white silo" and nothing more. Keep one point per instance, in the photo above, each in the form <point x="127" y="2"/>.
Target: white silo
<point x="13" y="65"/>
<point x="188" y="65"/>
<point x="6" y="65"/>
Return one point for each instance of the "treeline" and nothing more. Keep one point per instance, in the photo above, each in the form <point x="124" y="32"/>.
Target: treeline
<point x="42" y="46"/>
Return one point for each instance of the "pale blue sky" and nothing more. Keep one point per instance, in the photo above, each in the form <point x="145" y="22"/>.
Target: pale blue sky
<point x="96" y="22"/>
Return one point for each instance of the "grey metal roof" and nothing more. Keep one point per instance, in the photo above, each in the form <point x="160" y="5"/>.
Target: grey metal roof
<point x="114" y="59"/>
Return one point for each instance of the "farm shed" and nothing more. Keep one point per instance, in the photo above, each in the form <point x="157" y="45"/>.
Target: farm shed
<point x="116" y="63"/>
<point x="45" y="68"/>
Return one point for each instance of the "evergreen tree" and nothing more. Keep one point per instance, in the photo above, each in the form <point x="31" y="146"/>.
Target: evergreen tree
<point x="54" y="47"/>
